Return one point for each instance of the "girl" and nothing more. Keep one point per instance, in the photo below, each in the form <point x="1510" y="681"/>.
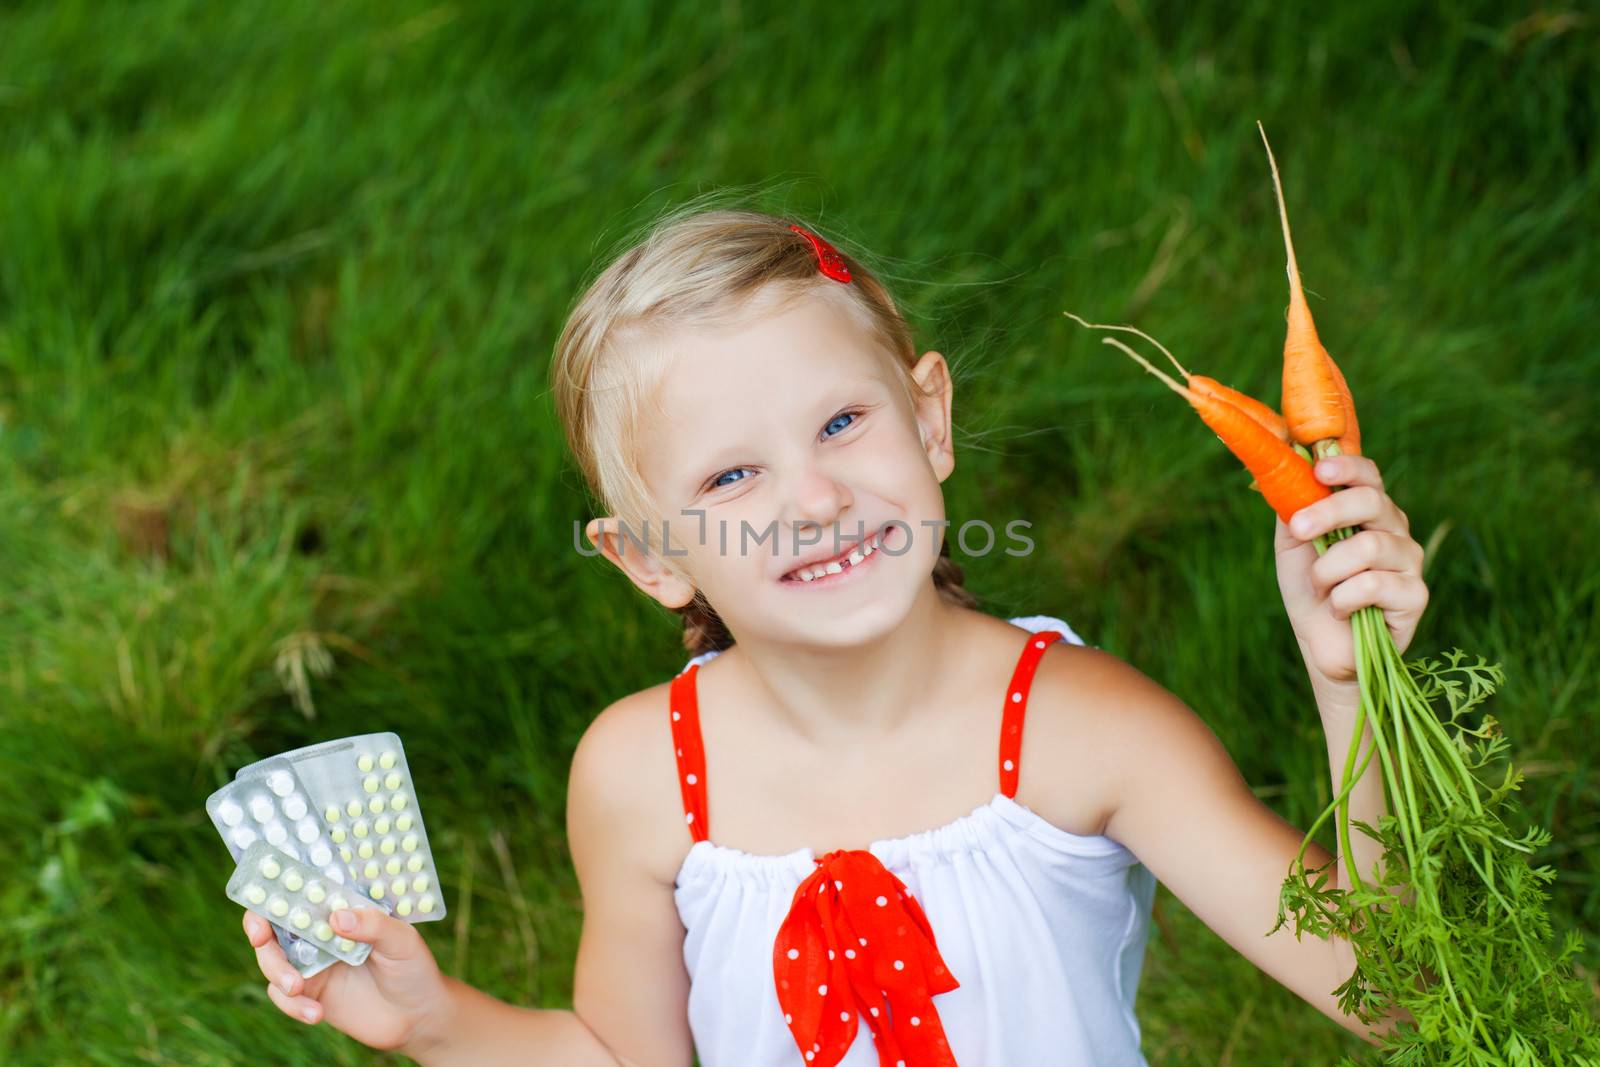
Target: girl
<point x="752" y="838"/>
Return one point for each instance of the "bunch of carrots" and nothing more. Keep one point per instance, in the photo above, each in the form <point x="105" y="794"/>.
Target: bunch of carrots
<point x="1452" y="929"/>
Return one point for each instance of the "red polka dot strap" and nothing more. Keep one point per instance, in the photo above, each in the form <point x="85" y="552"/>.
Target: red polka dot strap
<point x="1017" y="707"/>
<point x="685" y="708"/>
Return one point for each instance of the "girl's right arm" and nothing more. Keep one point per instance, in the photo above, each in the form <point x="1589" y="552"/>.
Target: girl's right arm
<point x="630" y="987"/>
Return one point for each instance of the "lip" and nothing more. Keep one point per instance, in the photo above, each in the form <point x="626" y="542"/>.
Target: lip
<point x="832" y="579"/>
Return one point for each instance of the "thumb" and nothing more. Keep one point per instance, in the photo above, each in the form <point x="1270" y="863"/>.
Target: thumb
<point x="392" y="937"/>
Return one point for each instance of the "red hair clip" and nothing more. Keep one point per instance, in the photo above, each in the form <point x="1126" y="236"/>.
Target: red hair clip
<point x="828" y="259"/>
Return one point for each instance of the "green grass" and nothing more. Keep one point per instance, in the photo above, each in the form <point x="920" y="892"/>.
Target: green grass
<point x="277" y="295"/>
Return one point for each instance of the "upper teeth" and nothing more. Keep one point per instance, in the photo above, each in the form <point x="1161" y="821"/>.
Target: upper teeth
<point x="815" y="571"/>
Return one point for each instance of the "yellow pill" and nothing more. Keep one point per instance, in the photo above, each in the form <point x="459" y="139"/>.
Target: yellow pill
<point x="344" y="853"/>
<point x="419" y="883"/>
<point x="359" y="828"/>
<point x="414" y="864"/>
<point x="301" y="919"/>
<point x="398" y="887"/>
<point x="392" y="781"/>
<point x="324" y="932"/>
<point x="370" y="783"/>
<point x="376" y="892"/>
<point x="403" y="822"/>
<point x="337" y="903"/>
<point x="403" y="908"/>
<point x="292" y="881"/>
<point x="270" y="868"/>
<point x="315" y="893"/>
<point x="364" y="762"/>
<point x="278" y="906"/>
<point x="410" y="843"/>
<point x="425" y="904"/>
<point x="332" y="814"/>
<point x="375" y="805"/>
<point x="387" y="846"/>
<point x="346" y="945"/>
<point x="398" y="802"/>
<point x="380" y="825"/>
<point x="387" y="760"/>
<point x="364" y="850"/>
<point x="353" y="808"/>
<point x="255" y="894"/>
<point x="338" y="835"/>
<point x="393" y="866"/>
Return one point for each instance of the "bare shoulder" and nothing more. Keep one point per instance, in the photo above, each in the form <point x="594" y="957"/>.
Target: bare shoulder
<point x="623" y="782"/>
<point x="1090" y="715"/>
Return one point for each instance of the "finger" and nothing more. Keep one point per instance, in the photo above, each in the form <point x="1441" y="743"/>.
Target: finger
<point x="276" y="968"/>
<point x="257" y="929"/>
<point x="1376" y="550"/>
<point x="1359" y="506"/>
<point x="304" y="1009"/>
<point x="1390" y="591"/>
<point x="1349" y="470"/>
<point x="387" y="935"/>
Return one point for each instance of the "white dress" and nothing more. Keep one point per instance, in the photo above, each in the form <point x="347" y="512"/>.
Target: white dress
<point x="1045" y="931"/>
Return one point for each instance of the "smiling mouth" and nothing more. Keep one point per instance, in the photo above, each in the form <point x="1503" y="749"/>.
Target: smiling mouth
<point x="858" y="554"/>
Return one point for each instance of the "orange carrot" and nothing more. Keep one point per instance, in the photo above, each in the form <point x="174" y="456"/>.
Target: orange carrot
<point x="1312" y="404"/>
<point x="1283" y="476"/>
<point x="1350" y="443"/>
<point x="1208" y="386"/>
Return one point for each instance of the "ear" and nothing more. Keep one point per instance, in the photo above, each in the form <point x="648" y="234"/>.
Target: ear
<point x="932" y="410"/>
<point x="634" y="551"/>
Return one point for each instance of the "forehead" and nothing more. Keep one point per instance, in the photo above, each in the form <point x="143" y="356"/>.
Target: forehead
<point x="730" y="386"/>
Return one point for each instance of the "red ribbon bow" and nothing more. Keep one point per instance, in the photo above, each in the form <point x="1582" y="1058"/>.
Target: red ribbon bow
<point x="828" y="259"/>
<point x="856" y="944"/>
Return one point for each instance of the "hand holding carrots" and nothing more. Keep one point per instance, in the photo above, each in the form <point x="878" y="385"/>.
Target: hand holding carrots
<point x="1379" y="565"/>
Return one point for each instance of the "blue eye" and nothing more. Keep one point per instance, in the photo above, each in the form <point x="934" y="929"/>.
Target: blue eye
<point x="835" y="420"/>
<point x="718" y="483"/>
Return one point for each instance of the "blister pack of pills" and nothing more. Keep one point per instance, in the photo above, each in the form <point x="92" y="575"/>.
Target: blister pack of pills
<point x="362" y="789"/>
<point x="282" y="889"/>
<point x="272" y="805"/>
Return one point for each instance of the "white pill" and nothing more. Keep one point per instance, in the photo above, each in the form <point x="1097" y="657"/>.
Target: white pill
<point x="364" y="762"/>
<point x="387" y="760"/>
<point x="321" y="854"/>
<point x="278" y="906"/>
<point x="392" y="781"/>
<point x="270" y="868"/>
<point x="419" y="883"/>
<point x="353" y="808"/>
<point x="305" y="951"/>
<point x="380" y="825"/>
<point x="393" y="866"/>
<point x="281" y="783"/>
<point x="294" y="807"/>
<point x="308" y="831"/>
<point x="370" y="871"/>
<point x="315" y="893"/>
<point x="414" y="864"/>
<point x="346" y="945"/>
<point x="335" y="874"/>
<point x="244" y="837"/>
<point x="292" y="880"/>
<point x="276" y="833"/>
<point x="375" y="805"/>
<point x="289" y="850"/>
<point x="323" y="932"/>
<point x="387" y="846"/>
<point x="261" y="808"/>
<point x="332" y="814"/>
<point x="409" y="844"/>
<point x="254" y="893"/>
<point x="301" y="919"/>
<point x="425" y="904"/>
<point x="403" y="822"/>
<point x="403" y="908"/>
<point x="230" y="813"/>
<point x="364" y="850"/>
<point x="398" y="802"/>
<point x="370" y="783"/>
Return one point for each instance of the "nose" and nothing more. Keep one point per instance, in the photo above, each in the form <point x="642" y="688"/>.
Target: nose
<point x="815" y="498"/>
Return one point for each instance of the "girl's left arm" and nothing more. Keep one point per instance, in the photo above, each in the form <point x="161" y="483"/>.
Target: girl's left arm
<point x="1176" y="798"/>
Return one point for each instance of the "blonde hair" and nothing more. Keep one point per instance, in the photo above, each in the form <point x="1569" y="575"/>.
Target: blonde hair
<point x="697" y="268"/>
